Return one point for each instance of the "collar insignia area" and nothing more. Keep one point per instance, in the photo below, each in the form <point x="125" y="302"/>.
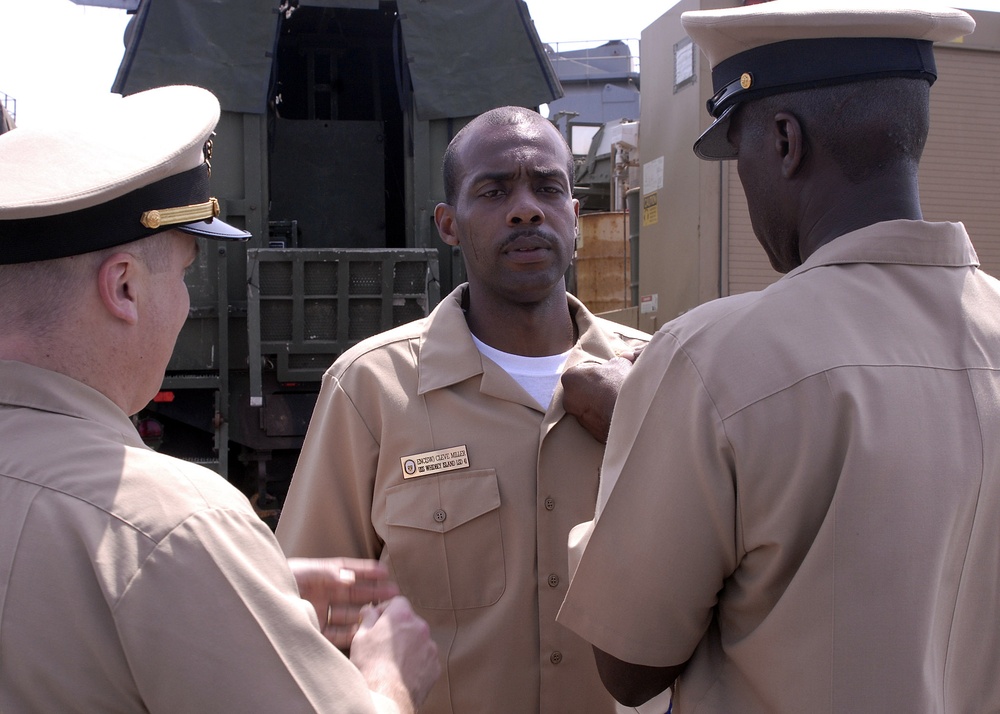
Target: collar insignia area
<point x="435" y="462"/>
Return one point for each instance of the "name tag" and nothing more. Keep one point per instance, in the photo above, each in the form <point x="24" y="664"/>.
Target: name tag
<point x="435" y="462"/>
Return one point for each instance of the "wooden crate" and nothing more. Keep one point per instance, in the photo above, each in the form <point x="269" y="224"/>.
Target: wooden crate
<point x="602" y="261"/>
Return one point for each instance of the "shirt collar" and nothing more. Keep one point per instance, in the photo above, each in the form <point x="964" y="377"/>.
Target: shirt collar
<point x="30" y="387"/>
<point x="449" y="356"/>
<point x="900" y="242"/>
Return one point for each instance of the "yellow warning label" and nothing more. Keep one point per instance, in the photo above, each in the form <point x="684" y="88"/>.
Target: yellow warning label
<point x="650" y="212"/>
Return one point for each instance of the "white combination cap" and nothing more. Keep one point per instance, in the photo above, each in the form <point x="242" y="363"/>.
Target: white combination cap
<point x="125" y="170"/>
<point x="789" y="45"/>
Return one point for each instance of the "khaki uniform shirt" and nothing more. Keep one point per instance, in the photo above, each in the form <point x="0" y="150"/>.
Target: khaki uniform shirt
<point x="134" y="582"/>
<point x="427" y="455"/>
<point x="802" y="489"/>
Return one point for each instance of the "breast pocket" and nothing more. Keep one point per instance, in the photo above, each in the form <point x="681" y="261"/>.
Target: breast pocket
<point x="444" y="539"/>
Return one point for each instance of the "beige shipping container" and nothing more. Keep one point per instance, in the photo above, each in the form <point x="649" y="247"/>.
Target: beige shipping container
<point x="695" y="239"/>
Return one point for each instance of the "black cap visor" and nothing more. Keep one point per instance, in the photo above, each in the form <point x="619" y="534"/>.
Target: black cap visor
<point x="714" y="144"/>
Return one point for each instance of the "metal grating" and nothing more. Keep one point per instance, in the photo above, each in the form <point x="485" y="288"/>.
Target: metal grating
<point x="407" y="311"/>
<point x="320" y="278"/>
<point x="408" y="277"/>
<point x="275" y="278"/>
<point x="320" y="320"/>
<point x="366" y="278"/>
<point x="307" y="306"/>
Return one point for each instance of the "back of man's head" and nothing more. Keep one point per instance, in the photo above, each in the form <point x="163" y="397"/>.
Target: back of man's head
<point x="38" y="298"/>
<point x="868" y="128"/>
<point x="126" y="178"/>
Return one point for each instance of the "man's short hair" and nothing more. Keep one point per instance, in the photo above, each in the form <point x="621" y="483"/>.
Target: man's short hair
<point x="501" y="116"/>
<point x="36" y="296"/>
<point x="867" y="127"/>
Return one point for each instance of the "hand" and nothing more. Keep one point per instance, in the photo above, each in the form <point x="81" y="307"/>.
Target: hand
<point x="338" y="588"/>
<point x="394" y="651"/>
<point x="590" y="390"/>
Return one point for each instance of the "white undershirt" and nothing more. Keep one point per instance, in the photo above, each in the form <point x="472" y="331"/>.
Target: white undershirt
<point x="538" y="376"/>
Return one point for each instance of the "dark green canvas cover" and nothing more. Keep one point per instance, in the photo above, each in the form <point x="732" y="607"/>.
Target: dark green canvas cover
<point x="462" y="56"/>
<point x="225" y="46"/>
<point x="467" y="56"/>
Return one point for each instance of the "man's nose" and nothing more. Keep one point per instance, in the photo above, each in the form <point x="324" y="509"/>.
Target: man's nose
<point x="525" y="208"/>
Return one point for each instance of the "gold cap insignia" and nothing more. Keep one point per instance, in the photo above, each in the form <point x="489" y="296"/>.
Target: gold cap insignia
<point x="183" y="214"/>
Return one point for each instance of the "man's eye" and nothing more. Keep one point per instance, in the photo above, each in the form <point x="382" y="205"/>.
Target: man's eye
<point x="492" y="193"/>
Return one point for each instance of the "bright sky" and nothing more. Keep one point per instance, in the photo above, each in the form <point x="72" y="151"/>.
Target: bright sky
<point x="56" y="55"/>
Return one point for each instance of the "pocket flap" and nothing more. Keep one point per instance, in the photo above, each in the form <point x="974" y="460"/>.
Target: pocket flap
<point x="440" y="503"/>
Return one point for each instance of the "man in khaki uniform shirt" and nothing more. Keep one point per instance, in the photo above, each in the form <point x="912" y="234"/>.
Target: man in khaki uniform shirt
<point x="131" y="581"/>
<point x="799" y="507"/>
<point x="428" y="451"/>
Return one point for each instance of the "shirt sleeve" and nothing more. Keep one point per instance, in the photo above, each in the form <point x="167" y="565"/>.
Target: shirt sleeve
<point x="328" y="509"/>
<point x="212" y="621"/>
<point x="664" y="536"/>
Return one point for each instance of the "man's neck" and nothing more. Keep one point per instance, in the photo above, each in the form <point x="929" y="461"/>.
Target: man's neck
<point x="889" y="198"/>
<point x="527" y="329"/>
<point x="73" y="358"/>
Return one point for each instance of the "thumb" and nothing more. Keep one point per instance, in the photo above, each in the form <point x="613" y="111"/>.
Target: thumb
<point x="369" y="616"/>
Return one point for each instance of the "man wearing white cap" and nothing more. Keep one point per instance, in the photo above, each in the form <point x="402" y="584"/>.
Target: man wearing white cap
<point x="131" y="581"/>
<point x="799" y="497"/>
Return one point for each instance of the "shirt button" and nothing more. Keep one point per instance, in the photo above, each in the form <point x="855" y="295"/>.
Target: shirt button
<point x="555" y="657"/>
<point x="440" y="515"/>
<point x="553" y="580"/>
<point x="550" y="503"/>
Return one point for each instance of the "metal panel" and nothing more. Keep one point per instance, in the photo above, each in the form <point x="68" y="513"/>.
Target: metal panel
<point x="308" y="306"/>
<point x="680" y="229"/>
<point x="451" y="43"/>
<point x="329" y="176"/>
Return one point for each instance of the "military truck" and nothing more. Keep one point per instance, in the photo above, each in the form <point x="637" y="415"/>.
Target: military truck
<point x="336" y="114"/>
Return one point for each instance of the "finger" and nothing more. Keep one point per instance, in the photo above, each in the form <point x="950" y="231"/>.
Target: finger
<point x="339" y="615"/>
<point x="341" y="585"/>
<point x="367" y="591"/>
<point x="361" y="593"/>
<point x="363" y="567"/>
<point x="341" y="637"/>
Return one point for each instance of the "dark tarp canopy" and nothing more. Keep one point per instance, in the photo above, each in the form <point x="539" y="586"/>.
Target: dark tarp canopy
<point x="225" y="46"/>
<point x="462" y="56"/>
<point x="467" y="56"/>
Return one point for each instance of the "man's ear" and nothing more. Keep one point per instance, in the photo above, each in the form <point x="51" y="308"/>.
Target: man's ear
<point x="789" y="143"/>
<point x="117" y="283"/>
<point x="444" y="218"/>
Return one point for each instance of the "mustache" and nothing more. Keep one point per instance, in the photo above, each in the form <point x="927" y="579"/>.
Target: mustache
<point x="521" y="233"/>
